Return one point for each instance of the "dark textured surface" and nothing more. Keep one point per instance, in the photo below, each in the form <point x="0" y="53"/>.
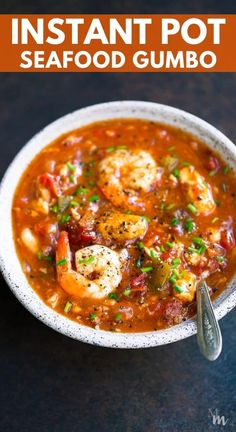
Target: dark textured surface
<point x="51" y="383"/>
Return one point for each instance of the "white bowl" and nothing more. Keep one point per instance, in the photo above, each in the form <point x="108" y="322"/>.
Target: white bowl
<point x="9" y="262"/>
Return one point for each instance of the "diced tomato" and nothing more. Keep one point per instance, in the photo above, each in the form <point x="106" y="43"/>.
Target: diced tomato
<point x="212" y="164"/>
<point x="227" y="234"/>
<point x="138" y="284"/>
<point x="50" y="182"/>
<point x="80" y="236"/>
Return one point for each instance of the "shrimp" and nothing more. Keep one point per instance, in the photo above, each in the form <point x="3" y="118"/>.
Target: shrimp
<point x="125" y="173"/>
<point x="122" y="227"/>
<point x="98" y="269"/>
<point x="199" y="192"/>
<point x="185" y="288"/>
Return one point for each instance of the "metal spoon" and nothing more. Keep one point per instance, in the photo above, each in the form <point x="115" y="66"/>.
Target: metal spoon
<point x="208" y="331"/>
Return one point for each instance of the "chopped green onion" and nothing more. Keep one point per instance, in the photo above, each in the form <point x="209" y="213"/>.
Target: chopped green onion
<point x="81" y="191"/>
<point x="175" y="221"/>
<point x="218" y="202"/>
<point x="94" y="198"/>
<point x="138" y="262"/>
<point x="220" y="259"/>
<point x="88" y="173"/>
<point x="175" y="263"/>
<point x="110" y="149"/>
<point x="146" y="269"/>
<point x="39" y="255"/>
<point x="198" y="241"/>
<point x="192" y="208"/>
<point x="61" y="262"/>
<point x="140" y="245"/>
<point x="153" y="254"/>
<point x="113" y="296"/>
<point x="55" y="208"/>
<point x="171" y="148"/>
<point x="87" y="260"/>
<point x="178" y="289"/>
<point x="126" y="292"/>
<point x="186" y="164"/>
<point x="212" y="173"/>
<point x="68" y="307"/>
<point x="92" y="316"/>
<point x="214" y="220"/>
<point x="91" y="163"/>
<point x="172" y="279"/>
<point x="72" y="179"/>
<point x="224" y="187"/>
<point x="71" y="167"/>
<point x="74" y="203"/>
<point x="170" y="206"/>
<point x="226" y="170"/>
<point x="189" y="225"/>
<point x="176" y="173"/>
<point x="162" y="249"/>
<point x="170" y="244"/>
<point x="120" y="147"/>
<point x="117" y="317"/>
<point x="176" y="274"/>
<point x="162" y="206"/>
<point x="145" y="218"/>
<point x="128" y="212"/>
<point x="91" y="183"/>
<point x="64" y="219"/>
<point x="47" y="258"/>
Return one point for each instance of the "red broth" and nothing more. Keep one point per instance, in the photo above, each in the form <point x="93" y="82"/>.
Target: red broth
<point x="115" y="223"/>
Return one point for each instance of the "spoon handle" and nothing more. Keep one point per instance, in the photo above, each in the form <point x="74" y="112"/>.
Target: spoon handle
<point x="208" y="331"/>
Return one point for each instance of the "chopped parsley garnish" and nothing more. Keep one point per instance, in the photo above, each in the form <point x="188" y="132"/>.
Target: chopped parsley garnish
<point x="61" y="262"/>
<point x="92" y="316"/>
<point x="71" y="167"/>
<point x="192" y="208"/>
<point x="87" y="260"/>
<point x="68" y="307"/>
<point x="146" y="269"/>
<point x="189" y="225"/>
<point x="174" y="221"/>
<point x="94" y="198"/>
